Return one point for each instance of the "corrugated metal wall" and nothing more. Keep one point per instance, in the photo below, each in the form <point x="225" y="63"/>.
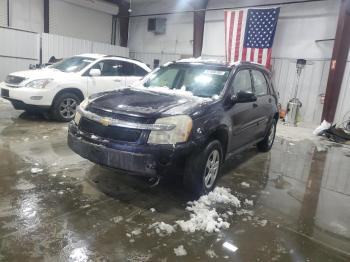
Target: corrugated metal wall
<point x="343" y="109"/>
<point x="63" y="46"/>
<point x="149" y="57"/>
<point x="18" y="49"/>
<point x="3" y="12"/>
<point x="312" y="84"/>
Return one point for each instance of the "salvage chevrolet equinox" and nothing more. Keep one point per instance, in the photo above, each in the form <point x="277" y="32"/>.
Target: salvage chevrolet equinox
<point x="186" y="117"/>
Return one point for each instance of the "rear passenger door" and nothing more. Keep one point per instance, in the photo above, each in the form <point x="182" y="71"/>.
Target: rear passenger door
<point x="264" y="101"/>
<point x="243" y="115"/>
<point x="111" y="77"/>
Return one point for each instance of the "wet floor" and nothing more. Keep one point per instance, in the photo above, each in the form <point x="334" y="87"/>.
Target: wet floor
<point x="56" y="206"/>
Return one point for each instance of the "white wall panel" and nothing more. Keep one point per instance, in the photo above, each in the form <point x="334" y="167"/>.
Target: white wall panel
<point x="27" y="15"/>
<point x="312" y="83"/>
<point x="9" y="65"/>
<point x="107" y="49"/>
<point x="19" y="44"/>
<point x="79" y="22"/>
<point x="149" y="57"/>
<point x="3" y="12"/>
<point x="63" y="46"/>
<point x="343" y="109"/>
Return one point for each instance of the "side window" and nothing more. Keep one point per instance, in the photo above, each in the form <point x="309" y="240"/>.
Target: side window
<point x="108" y="67"/>
<point x="242" y="82"/>
<point x="127" y="69"/>
<point x="139" y="71"/>
<point x="260" y="83"/>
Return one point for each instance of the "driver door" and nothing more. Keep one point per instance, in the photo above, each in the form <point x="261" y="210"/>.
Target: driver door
<point x="243" y="115"/>
<point x="111" y="77"/>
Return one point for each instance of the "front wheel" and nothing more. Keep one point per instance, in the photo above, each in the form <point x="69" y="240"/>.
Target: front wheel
<point x="266" y="144"/>
<point x="203" y="169"/>
<point x="64" y="106"/>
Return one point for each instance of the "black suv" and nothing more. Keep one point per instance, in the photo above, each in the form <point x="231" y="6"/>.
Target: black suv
<point x="186" y="117"/>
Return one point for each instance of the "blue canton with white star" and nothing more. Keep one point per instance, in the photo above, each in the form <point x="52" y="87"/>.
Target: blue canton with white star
<point x="260" y="28"/>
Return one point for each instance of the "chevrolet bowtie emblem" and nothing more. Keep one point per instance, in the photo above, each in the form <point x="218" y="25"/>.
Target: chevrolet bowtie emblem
<point x="105" y="121"/>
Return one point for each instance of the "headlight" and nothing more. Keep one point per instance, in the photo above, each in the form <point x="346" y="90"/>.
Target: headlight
<point x="77" y="117"/>
<point x="39" y="83"/>
<point x="180" y="133"/>
<point x="82" y="105"/>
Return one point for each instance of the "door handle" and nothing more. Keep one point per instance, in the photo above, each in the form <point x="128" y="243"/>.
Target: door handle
<point x="117" y="80"/>
<point x="255" y="105"/>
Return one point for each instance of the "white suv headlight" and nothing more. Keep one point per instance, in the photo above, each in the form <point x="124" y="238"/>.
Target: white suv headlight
<point x="39" y="83"/>
<point x="180" y="133"/>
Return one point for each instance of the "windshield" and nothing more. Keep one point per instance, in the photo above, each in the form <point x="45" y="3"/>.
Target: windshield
<point x="200" y="80"/>
<point x="73" y="64"/>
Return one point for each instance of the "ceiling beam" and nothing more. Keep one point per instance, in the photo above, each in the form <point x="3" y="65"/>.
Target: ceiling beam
<point x="338" y="62"/>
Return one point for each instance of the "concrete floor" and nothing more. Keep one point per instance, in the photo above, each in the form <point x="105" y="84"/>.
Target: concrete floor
<point x="71" y="210"/>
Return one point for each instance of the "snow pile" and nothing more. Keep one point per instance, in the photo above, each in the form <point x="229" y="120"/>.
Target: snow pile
<point x="162" y="228"/>
<point x="204" y="216"/>
<point x="211" y="253"/>
<point x="248" y="202"/>
<point x="180" y="251"/>
<point x="36" y="170"/>
<point x="245" y="184"/>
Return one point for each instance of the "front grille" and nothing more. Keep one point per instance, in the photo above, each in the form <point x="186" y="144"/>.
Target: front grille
<point x="109" y="132"/>
<point x="14" y="80"/>
<point x="128" y="118"/>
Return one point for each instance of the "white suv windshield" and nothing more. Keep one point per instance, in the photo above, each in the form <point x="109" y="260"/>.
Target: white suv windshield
<point x="73" y="64"/>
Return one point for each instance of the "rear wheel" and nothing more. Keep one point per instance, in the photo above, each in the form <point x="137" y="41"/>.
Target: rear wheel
<point x="64" y="106"/>
<point x="203" y="169"/>
<point x="266" y="144"/>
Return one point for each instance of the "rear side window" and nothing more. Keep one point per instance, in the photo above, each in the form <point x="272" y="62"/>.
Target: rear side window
<point x="109" y="67"/>
<point x="260" y="84"/>
<point x="242" y="82"/>
<point x="139" y="71"/>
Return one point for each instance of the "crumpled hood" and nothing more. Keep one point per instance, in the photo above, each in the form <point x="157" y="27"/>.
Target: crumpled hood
<point x="144" y="102"/>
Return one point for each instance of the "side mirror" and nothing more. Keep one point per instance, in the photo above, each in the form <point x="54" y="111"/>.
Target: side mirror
<point x="243" y="97"/>
<point x="95" y="72"/>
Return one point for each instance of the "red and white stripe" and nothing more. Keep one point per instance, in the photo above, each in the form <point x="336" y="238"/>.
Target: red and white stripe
<point x="235" y="23"/>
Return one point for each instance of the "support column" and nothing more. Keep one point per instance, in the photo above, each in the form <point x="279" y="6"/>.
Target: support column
<point x="123" y="17"/>
<point x="198" y="26"/>
<point x="338" y="63"/>
<point x="46" y="15"/>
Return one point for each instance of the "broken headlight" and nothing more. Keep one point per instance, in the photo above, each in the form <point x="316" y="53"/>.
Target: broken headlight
<point x="179" y="134"/>
<point x="82" y="105"/>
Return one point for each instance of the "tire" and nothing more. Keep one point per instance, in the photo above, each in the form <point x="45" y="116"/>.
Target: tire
<point x="64" y="106"/>
<point x="266" y="144"/>
<point x="196" y="170"/>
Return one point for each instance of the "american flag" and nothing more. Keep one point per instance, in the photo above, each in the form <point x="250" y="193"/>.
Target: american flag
<point x="249" y="34"/>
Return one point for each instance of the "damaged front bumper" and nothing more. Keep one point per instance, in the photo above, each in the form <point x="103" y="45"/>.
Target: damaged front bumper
<point x="138" y="159"/>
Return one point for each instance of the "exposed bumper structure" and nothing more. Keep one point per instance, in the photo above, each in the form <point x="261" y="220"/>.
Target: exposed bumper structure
<point x="144" y="160"/>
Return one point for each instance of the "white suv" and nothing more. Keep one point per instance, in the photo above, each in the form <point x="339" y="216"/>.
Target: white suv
<point x="61" y="87"/>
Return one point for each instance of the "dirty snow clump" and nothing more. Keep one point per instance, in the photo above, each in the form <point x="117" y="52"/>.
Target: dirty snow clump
<point x="204" y="216"/>
<point x="152" y="210"/>
<point x="248" y="202"/>
<point x="36" y="170"/>
<point x="180" y="251"/>
<point x="245" y="184"/>
<point x="162" y="228"/>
